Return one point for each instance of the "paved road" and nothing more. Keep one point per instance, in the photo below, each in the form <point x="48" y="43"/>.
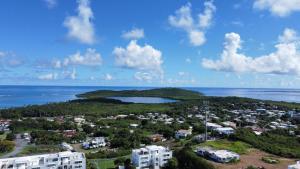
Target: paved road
<point x="20" y="144"/>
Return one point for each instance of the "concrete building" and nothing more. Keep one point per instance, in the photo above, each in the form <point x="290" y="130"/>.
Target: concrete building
<point x="225" y="130"/>
<point x="94" y="143"/>
<point x="151" y="156"/>
<point x="221" y="156"/>
<point x="183" y="133"/>
<point x="62" y="160"/>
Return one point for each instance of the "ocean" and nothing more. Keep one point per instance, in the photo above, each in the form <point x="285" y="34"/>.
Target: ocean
<point x="16" y="96"/>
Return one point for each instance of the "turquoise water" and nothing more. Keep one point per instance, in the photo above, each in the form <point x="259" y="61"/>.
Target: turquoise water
<point x="14" y="96"/>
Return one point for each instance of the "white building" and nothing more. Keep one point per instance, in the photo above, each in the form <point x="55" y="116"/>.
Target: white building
<point x="183" y="133"/>
<point x="213" y="126"/>
<point x="224" y="156"/>
<point x="154" y="156"/>
<point x="295" y="166"/>
<point x="225" y="130"/>
<point x="62" y="160"/>
<point x="94" y="143"/>
<point x="221" y="156"/>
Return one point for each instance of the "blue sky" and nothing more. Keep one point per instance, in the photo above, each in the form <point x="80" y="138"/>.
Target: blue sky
<point x="236" y="43"/>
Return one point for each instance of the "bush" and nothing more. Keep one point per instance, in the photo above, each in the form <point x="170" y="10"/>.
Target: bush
<point x="6" y="146"/>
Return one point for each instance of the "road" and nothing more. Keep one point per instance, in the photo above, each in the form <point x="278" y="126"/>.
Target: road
<point x="20" y="144"/>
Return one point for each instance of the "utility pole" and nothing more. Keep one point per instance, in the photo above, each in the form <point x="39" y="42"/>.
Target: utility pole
<point x="206" y="109"/>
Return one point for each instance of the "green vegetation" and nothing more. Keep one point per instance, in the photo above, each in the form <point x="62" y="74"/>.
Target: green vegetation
<point x="281" y="145"/>
<point x="235" y="146"/>
<point x="102" y="163"/>
<point x="171" y="93"/>
<point x="94" y="108"/>
<point x="187" y="159"/>
<point x="6" y="146"/>
<point x="39" y="149"/>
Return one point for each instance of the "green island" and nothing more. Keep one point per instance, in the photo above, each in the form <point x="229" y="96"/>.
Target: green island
<point x="127" y="126"/>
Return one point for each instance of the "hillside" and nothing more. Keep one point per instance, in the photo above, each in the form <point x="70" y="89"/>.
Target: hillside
<point x="171" y="93"/>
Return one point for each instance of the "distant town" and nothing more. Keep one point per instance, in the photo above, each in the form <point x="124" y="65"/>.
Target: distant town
<point x="196" y="131"/>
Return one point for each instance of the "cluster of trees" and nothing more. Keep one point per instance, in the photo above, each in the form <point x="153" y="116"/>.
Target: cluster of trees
<point x="123" y="138"/>
<point x="39" y="124"/>
<point x="6" y="146"/>
<point x="50" y="137"/>
<point x="272" y="142"/>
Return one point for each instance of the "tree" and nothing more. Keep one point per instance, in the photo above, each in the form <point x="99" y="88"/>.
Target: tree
<point x="10" y="136"/>
<point x="171" y="164"/>
<point x="6" y="146"/>
<point x="127" y="164"/>
<point x="187" y="159"/>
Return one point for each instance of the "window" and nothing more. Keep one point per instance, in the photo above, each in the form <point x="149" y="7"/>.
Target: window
<point x="78" y="162"/>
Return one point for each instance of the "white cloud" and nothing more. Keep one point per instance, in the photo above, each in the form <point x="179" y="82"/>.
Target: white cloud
<point x="50" y="76"/>
<point x="81" y="27"/>
<point x="138" y="57"/>
<point x="144" y="76"/>
<point x="51" y="3"/>
<point x="207" y="16"/>
<point x="281" y="8"/>
<point x="285" y="60"/>
<point x="196" y="30"/>
<point x="135" y="33"/>
<point x="197" y="38"/>
<point x="70" y="74"/>
<point x="108" y="76"/>
<point x="89" y="58"/>
<point x="188" y="60"/>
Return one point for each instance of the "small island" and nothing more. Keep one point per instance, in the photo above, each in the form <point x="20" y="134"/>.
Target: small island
<point x="169" y="93"/>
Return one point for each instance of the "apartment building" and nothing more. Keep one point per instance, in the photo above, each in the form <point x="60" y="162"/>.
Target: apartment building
<point x="62" y="160"/>
<point x="151" y="156"/>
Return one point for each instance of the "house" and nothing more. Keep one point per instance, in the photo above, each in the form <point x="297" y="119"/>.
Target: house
<point x="225" y="130"/>
<point x="224" y="156"/>
<point x="66" y="146"/>
<point x="133" y="125"/>
<point x="295" y="166"/>
<point x="69" y="133"/>
<point x="4" y="125"/>
<point x="150" y="156"/>
<point x="199" y="138"/>
<point x="229" y="124"/>
<point x="183" y="133"/>
<point x="79" y="120"/>
<point x="94" y="143"/>
<point x="221" y="156"/>
<point x="63" y="160"/>
<point x="212" y="126"/>
<point x="157" y="137"/>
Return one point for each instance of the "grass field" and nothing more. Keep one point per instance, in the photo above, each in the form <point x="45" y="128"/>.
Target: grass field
<point x="235" y="146"/>
<point x="104" y="163"/>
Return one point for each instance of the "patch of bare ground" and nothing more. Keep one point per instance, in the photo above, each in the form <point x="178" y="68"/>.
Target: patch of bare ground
<point x="254" y="158"/>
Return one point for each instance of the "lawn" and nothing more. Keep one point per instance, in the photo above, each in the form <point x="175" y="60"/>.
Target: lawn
<point x="3" y="136"/>
<point x="104" y="163"/>
<point x="235" y="146"/>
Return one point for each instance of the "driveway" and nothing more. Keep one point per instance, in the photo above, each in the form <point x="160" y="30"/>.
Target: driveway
<point x="20" y="144"/>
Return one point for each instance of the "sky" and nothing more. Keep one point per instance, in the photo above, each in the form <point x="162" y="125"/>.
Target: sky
<point x="196" y="43"/>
